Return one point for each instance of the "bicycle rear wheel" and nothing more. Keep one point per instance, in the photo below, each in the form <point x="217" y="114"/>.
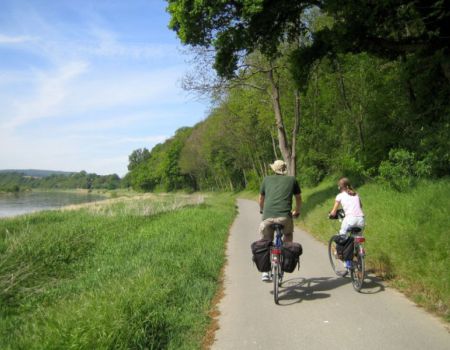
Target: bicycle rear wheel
<point x="276" y="282"/>
<point x="358" y="272"/>
<point x="336" y="264"/>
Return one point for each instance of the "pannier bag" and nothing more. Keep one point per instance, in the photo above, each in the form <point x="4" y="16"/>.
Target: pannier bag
<point x="344" y="247"/>
<point x="291" y="252"/>
<point x="261" y="254"/>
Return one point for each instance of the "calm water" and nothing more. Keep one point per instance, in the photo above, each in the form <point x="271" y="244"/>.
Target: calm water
<point x="16" y="204"/>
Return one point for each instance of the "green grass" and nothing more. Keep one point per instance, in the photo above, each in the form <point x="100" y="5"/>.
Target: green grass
<point x="408" y="236"/>
<point x="126" y="276"/>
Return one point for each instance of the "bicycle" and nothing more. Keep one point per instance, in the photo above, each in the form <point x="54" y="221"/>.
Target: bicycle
<point x="276" y="261"/>
<point x="357" y="262"/>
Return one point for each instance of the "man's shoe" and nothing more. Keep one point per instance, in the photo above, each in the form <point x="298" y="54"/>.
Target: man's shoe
<point x="265" y="277"/>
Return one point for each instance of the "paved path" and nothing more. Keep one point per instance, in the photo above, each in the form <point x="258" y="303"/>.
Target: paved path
<point x="317" y="309"/>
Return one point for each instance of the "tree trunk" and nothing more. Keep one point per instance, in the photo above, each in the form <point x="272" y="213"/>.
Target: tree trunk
<point x="445" y="65"/>
<point x="283" y="143"/>
<point x="297" y="114"/>
<point x="274" y="146"/>
<point x="360" y="128"/>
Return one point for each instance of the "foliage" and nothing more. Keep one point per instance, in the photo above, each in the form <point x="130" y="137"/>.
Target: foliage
<point x="140" y="273"/>
<point x="16" y="181"/>
<point x="402" y="170"/>
<point x="137" y="157"/>
<point x="357" y="103"/>
<point x="160" y="170"/>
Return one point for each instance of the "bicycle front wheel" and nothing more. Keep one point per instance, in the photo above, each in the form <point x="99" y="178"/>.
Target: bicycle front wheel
<point x="276" y="284"/>
<point x="336" y="264"/>
<point x="358" y="272"/>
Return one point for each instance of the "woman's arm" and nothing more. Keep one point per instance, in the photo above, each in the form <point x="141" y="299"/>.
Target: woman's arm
<point x="335" y="208"/>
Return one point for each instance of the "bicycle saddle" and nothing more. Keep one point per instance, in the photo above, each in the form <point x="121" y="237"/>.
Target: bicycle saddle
<point x="277" y="226"/>
<point x="354" y="229"/>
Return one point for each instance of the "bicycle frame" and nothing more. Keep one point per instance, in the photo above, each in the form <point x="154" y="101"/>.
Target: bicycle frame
<point x="275" y="251"/>
<point x="276" y="260"/>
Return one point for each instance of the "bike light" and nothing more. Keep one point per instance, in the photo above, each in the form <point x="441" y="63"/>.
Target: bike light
<point x="276" y="251"/>
<point x="359" y="239"/>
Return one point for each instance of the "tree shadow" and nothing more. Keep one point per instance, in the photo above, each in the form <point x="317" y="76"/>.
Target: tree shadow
<point x="317" y="198"/>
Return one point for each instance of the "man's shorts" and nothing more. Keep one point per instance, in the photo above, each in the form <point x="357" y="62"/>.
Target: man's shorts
<point x="266" y="231"/>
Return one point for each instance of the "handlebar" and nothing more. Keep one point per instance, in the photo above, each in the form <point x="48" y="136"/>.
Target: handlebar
<point x="340" y="214"/>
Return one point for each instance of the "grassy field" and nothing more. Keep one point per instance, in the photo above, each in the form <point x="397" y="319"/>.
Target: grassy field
<point x="137" y="273"/>
<point x="408" y="236"/>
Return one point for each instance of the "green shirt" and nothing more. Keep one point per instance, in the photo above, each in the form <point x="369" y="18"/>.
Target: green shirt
<point x="278" y="191"/>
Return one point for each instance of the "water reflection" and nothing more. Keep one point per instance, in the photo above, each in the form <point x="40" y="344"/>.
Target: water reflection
<point x="27" y="202"/>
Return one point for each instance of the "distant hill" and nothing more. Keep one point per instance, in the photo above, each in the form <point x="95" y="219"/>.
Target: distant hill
<point x="36" y="172"/>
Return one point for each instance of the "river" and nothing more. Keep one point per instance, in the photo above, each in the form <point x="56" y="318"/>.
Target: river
<point x="27" y="202"/>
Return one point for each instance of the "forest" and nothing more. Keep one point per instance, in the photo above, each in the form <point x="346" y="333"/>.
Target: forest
<point x="16" y="181"/>
<point x="331" y="87"/>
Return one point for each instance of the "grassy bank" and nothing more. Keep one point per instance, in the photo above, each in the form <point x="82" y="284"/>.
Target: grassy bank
<point x="408" y="236"/>
<point x="129" y="274"/>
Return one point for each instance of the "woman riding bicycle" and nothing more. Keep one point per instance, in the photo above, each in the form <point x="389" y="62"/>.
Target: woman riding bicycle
<point x="349" y="200"/>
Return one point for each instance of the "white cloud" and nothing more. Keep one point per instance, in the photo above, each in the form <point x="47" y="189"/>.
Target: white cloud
<point x="8" y="39"/>
<point x="82" y="95"/>
<point x="146" y="140"/>
<point x="123" y="89"/>
<point x="107" y="44"/>
<point x="48" y="98"/>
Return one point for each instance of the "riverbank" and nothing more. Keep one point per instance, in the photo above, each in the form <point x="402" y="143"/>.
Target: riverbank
<point x="137" y="273"/>
<point x="27" y="202"/>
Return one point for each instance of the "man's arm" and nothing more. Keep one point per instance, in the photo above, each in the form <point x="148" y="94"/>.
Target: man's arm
<point x="261" y="202"/>
<point x="298" y="205"/>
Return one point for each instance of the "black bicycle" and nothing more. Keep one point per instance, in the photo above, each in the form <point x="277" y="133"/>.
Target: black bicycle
<point x="348" y="247"/>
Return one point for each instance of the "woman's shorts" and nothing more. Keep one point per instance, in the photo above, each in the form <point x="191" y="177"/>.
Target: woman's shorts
<point x="350" y="221"/>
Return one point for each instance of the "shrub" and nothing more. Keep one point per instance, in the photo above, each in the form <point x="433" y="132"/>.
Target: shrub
<point x="402" y="169"/>
<point x="310" y="176"/>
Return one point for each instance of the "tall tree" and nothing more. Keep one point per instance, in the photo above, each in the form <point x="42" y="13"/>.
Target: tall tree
<point x="237" y="65"/>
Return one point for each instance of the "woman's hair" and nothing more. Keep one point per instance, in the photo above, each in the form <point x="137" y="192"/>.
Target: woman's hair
<point x="344" y="184"/>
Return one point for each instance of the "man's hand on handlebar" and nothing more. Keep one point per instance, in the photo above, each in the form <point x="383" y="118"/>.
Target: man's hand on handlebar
<point x="295" y="214"/>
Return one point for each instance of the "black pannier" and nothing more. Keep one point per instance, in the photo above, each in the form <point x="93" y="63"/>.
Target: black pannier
<point x="291" y="252"/>
<point x="344" y="247"/>
<point x="261" y="254"/>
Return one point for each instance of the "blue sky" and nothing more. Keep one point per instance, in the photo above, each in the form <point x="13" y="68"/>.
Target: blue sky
<point x="85" y="82"/>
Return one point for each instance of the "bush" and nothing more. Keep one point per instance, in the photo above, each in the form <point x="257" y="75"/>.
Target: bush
<point x="310" y="176"/>
<point x="402" y="169"/>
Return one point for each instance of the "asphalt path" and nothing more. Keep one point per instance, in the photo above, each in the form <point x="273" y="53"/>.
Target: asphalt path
<point x="317" y="310"/>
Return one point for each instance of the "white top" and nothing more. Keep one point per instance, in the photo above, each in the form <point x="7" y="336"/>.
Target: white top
<point x="350" y="204"/>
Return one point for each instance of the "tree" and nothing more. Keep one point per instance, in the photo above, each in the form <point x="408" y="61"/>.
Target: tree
<point x="389" y="29"/>
<point x="253" y="59"/>
<point x="136" y="157"/>
<point x="415" y="33"/>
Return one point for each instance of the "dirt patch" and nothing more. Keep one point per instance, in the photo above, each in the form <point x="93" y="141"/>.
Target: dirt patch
<point x="214" y="313"/>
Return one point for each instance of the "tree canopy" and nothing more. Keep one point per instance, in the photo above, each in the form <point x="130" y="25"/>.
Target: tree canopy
<point x="365" y="82"/>
<point x="388" y="29"/>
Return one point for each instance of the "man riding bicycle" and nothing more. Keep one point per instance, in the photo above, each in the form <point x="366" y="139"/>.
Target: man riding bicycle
<point x="275" y="202"/>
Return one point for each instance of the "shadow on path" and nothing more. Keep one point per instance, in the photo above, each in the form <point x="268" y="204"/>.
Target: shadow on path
<point x="300" y="289"/>
<point x="296" y="290"/>
<point x="372" y="285"/>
